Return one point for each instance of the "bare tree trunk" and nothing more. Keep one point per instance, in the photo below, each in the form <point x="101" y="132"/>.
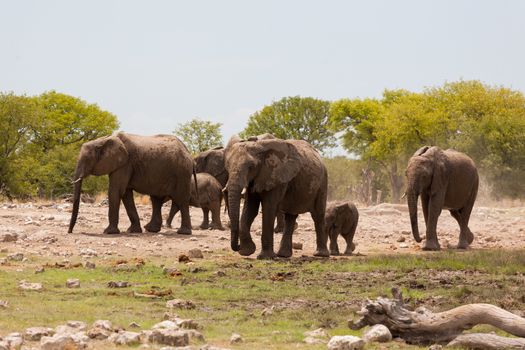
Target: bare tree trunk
<point x="425" y="327"/>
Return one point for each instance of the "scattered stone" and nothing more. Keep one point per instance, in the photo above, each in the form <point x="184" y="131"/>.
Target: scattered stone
<point x="401" y="239"/>
<point x="171" y="271"/>
<point x="297" y="245"/>
<point x="406" y="233"/>
<point x="88" y="252"/>
<point x="15" y="257"/>
<point x="195" y="254"/>
<point x="23" y="284"/>
<point x="133" y="325"/>
<point x="40" y="269"/>
<point x="193" y="334"/>
<point x="99" y="333"/>
<point x="4" y="250"/>
<point x="236" y="339"/>
<point x="180" y="304"/>
<point x="4" y="304"/>
<point x="60" y="342"/>
<point x="118" y="284"/>
<point x="73" y="283"/>
<point x="125" y="268"/>
<point x="184" y="258"/>
<point x="186" y="323"/>
<point x="3" y="261"/>
<point x="36" y="333"/>
<point x="220" y="273"/>
<point x="345" y="342"/>
<point x="435" y="347"/>
<point x="403" y="245"/>
<point x="89" y="265"/>
<point x="125" y="338"/>
<point x="168" y="324"/>
<point x="267" y="311"/>
<point x="13" y="341"/>
<point x="168" y="337"/>
<point x="378" y="333"/>
<point x="104" y="324"/>
<point x="8" y="237"/>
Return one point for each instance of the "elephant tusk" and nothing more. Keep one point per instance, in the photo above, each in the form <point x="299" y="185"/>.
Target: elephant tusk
<point x="243" y="192"/>
<point x="77" y="180"/>
<point x="404" y="195"/>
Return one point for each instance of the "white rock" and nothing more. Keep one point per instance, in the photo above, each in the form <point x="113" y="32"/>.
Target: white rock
<point x="15" y="257"/>
<point x="166" y="325"/>
<point x="104" y="324"/>
<point x="36" y="333"/>
<point x="62" y="342"/>
<point x="13" y="341"/>
<point x="78" y="325"/>
<point x="345" y="342"/>
<point x="125" y="338"/>
<point x="88" y="252"/>
<point x="186" y="323"/>
<point x="180" y="304"/>
<point x="236" y="338"/>
<point x="23" y="284"/>
<point x="73" y="283"/>
<point x="313" y="341"/>
<point x="377" y="333"/>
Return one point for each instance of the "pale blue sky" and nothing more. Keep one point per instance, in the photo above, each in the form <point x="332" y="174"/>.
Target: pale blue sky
<point x="158" y="63"/>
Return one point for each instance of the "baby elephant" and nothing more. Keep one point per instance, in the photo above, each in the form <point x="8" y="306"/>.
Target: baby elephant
<point x="341" y="218"/>
<point x="209" y="199"/>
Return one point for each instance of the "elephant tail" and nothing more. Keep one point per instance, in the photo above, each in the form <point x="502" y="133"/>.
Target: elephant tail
<point x="195" y="179"/>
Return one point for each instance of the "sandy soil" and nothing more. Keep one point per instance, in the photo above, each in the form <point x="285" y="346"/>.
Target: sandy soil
<point x="42" y="230"/>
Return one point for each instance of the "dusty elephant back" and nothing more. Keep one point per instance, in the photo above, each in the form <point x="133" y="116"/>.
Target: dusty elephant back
<point x="159" y="163"/>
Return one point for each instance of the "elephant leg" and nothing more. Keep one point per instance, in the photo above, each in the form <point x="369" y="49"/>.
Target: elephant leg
<point x="465" y="215"/>
<point x="117" y="188"/>
<point x="216" y="223"/>
<point x="129" y="204"/>
<point x="249" y="212"/>
<point x="173" y="211"/>
<point x="155" y="223"/>
<point x="280" y="223"/>
<point x="349" y="238"/>
<point x="205" y="219"/>
<point x="185" y="224"/>
<point x="269" y="209"/>
<point x="424" y="205"/>
<point x="333" y="233"/>
<point x="318" y="217"/>
<point x="285" y="249"/>
<point x="434" y="210"/>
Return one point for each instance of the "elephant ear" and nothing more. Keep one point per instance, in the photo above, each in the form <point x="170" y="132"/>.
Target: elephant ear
<point x="281" y="162"/>
<point x="422" y="150"/>
<point x="111" y="155"/>
<point x="440" y="173"/>
<point x="215" y="163"/>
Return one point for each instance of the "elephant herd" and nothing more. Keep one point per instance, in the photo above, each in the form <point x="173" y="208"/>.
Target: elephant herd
<point x="281" y="178"/>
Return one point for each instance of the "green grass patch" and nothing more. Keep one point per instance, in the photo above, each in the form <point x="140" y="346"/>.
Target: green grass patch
<point x="271" y="303"/>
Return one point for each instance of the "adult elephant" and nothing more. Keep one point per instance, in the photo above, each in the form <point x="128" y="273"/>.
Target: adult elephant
<point x="159" y="166"/>
<point x="281" y="175"/>
<point x="212" y="162"/>
<point x="445" y="180"/>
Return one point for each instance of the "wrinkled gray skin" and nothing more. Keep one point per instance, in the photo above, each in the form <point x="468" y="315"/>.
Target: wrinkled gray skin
<point x="208" y="199"/>
<point x="341" y="219"/>
<point x="444" y="180"/>
<point x="212" y="162"/>
<point x="159" y="166"/>
<point x="281" y="175"/>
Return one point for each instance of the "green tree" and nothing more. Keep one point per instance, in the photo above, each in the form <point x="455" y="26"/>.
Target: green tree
<point x="199" y="135"/>
<point x="49" y="130"/>
<point x="302" y="118"/>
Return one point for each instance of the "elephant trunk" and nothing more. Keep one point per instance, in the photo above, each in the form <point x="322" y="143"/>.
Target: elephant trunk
<point x="234" y="204"/>
<point x="412" y="208"/>
<point x="76" y="198"/>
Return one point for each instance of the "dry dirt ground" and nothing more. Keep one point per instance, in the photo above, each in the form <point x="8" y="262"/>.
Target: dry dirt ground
<point x="42" y="230"/>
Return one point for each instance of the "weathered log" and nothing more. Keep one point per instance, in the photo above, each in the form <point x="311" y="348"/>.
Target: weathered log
<point x="422" y="326"/>
<point x="487" y="342"/>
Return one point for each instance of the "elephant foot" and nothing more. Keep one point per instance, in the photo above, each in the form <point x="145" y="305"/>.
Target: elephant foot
<point x="278" y="229"/>
<point x="184" y="231"/>
<point x="111" y="230"/>
<point x="215" y="226"/>
<point x="247" y="248"/>
<point x="134" y="229"/>
<point x="266" y="255"/>
<point x="334" y="252"/>
<point x="322" y="252"/>
<point x="151" y="227"/>
<point x="204" y="226"/>
<point x="462" y="245"/>
<point x="429" y="245"/>
<point x="285" y="252"/>
<point x="349" y="249"/>
<point x="168" y="225"/>
<point x="470" y="237"/>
